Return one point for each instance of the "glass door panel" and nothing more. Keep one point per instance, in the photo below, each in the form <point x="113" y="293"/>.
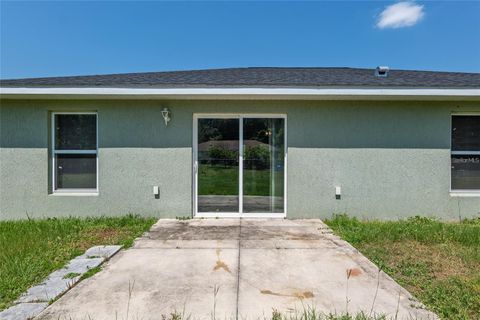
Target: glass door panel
<point x="218" y="165"/>
<point x="263" y="165"/>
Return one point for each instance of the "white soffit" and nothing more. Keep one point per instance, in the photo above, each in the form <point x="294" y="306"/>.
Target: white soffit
<point x="241" y="93"/>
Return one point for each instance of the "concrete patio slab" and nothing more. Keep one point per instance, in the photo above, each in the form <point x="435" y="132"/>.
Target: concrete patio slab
<point x="316" y="278"/>
<point x="150" y="282"/>
<point x="235" y="269"/>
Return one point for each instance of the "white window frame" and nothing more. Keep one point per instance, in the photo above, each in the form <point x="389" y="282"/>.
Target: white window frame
<point x="240" y="213"/>
<point x="72" y="191"/>
<point x="461" y="192"/>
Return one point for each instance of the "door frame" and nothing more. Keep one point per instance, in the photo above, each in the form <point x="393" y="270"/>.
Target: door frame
<point x="239" y="214"/>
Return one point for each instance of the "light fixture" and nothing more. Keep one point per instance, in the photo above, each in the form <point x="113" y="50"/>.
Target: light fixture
<point x="166" y="116"/>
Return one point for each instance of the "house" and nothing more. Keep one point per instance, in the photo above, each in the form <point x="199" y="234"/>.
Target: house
<point x="242" y="142"/>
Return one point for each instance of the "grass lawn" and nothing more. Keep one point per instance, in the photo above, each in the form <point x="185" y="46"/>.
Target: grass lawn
<point x="219" y="180"/>
<point x="31" y="249"/>
<point x="437" y="262"/>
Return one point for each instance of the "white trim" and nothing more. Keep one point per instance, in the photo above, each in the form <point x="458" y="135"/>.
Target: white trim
<point x="75" y="192"/>
<point x="240" y="164"/>
<point x="241" y="93"/>
<point x="285" y="166"/>
<point x="75" y="151"/>
<point x="54" y="152"/>
<point x="460" y="192"/>
<point x="465" y="153"/>
<point x="194" y="165"/>
<point x="240" y="213"/>
<point x="238" y="115"/>
<point x="465" y="193"/>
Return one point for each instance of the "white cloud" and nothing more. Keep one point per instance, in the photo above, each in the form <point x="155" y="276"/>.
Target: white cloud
<point x="401" y="14"/>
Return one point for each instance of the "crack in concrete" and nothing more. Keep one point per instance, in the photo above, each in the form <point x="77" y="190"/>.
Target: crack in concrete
<point x="238" y="266"/>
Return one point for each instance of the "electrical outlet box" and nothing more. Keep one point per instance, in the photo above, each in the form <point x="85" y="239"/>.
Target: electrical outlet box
<point x="338" y="193"/>
<point x="156" y="190"/>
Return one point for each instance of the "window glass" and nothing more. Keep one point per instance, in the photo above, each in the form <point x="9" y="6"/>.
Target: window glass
<point x="75" y="131"/>
<point x="75" y="151"/>
<point x="465" y="154"/>
<point x="76" y="171"/>
<point x="466" y="172"/>
<point x="263" y="165"/>
<point x="218" y="154"/>
<point x="466" y="133"/>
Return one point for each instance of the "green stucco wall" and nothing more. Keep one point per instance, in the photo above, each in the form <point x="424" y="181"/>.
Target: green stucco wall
<point x="392" y="159"/>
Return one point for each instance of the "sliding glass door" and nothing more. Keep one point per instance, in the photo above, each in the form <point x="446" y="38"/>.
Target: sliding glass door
<point x="218" y="165"/>
<point x="239" y="165"/>
<point x="263" y="165"/>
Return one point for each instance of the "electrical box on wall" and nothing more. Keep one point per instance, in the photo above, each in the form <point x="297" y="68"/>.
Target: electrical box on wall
<point x="338" y="192"/>
<point x="156" y="191"/>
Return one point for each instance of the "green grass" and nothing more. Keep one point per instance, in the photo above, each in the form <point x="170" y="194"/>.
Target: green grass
<point x="219" y="180"/>
<point x="71" y="275"/>
<point x="305" y="313"/>
<point x="31" y="249"/>
<point x="90" y="272"/>
<point x="438" y="262"/>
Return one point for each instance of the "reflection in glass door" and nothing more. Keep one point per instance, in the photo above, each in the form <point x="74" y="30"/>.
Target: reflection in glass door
<point x="218" y="165"/>
<point x="263" y="165"/>
<point x="240" y="165"/>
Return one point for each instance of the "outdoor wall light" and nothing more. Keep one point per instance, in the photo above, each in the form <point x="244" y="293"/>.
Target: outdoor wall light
<point x="166" y="116"/>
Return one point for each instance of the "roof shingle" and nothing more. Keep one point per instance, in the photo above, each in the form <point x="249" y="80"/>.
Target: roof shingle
<point x="260" y="77"/>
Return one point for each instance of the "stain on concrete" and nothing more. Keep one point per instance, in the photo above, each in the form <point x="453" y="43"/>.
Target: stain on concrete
<point x="296" y="294"/>
<point x="255" y="232"/>
<point x="219" y="264"/>
<point x="302" y="236"/>
<point x="353" y="272"/>
<point x="184" y="230"/>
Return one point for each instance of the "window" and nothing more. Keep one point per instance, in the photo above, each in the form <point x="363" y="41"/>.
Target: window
<point x="74" y="152"/>
<point x="465" y="157"/>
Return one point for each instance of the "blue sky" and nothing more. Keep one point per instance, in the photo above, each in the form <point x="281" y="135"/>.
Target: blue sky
<point x="76" y="38"/>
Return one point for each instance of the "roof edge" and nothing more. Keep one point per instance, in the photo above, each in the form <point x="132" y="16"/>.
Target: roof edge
<point x="240" y="93"/>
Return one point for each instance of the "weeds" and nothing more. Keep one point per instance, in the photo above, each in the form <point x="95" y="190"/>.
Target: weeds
<point x="182" y="218"/>
<point x="91" y="272"/>
<point x="31" y="249"/>
<point x="436" y="261"/>
<point x="311" y="313"/>
<point x="131" y="285"/>
<point x="71" y="275"/>
<point x="216" y="289"/>
<point x="421" y="229"/>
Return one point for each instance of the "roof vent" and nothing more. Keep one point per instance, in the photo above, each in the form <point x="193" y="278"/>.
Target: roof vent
<point x="381" y="71"/>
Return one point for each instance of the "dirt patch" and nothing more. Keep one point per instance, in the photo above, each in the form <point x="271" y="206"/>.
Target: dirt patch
<point x="104" y="236"/>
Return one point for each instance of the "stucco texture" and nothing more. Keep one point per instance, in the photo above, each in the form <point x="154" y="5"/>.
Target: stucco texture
<point x="391" y="159"/>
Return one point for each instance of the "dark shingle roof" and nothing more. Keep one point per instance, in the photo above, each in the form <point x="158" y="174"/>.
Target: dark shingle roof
<point x="261" y="77"/>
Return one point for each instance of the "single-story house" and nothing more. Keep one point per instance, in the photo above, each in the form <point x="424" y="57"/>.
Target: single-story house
<point x="242" y="142"/>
